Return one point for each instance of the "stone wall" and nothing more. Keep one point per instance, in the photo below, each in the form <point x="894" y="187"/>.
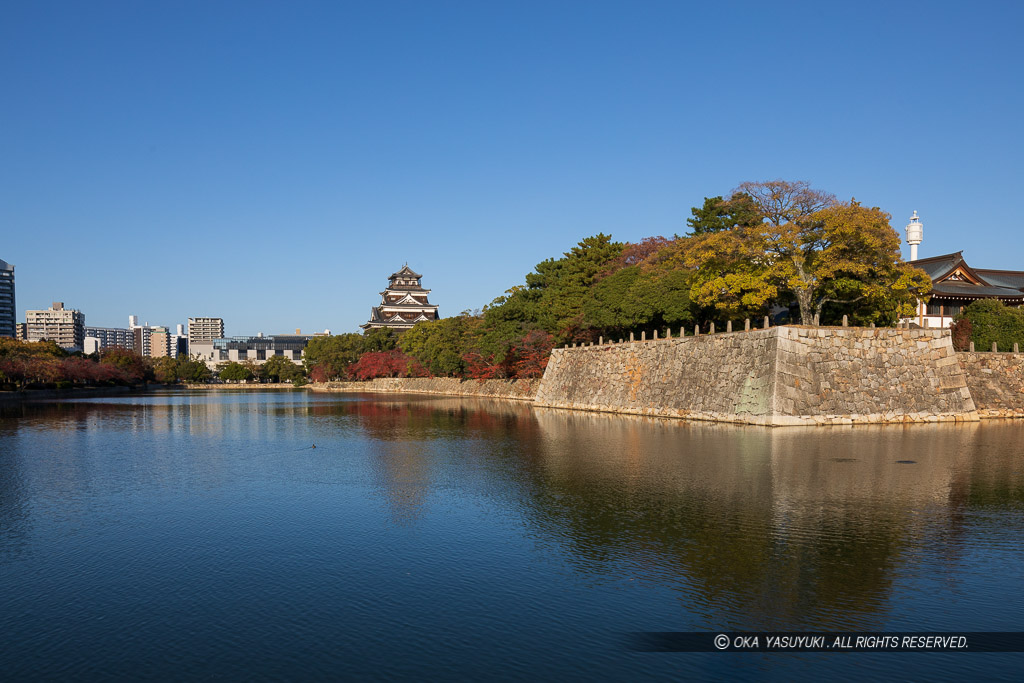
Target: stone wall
<point x="790" y="375"/>
<point x="521" y="389"/>
<point x="243" y="386"/>
<point x="996" y="381"/>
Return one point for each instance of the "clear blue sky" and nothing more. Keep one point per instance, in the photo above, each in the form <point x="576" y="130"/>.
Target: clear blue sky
<point x="272" y="163"/>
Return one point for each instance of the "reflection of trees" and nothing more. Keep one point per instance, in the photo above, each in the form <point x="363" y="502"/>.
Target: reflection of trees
<point x="412" y="437"/>
<point x="420" y="417"/>
<point x="778" y="528"/>
<point x="755" y="528"/>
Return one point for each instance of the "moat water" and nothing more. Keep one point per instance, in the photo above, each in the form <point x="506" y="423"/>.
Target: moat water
<point x="201" y="535"/>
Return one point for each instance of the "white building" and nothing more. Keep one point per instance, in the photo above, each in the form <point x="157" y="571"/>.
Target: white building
<point x="256" y="349"/>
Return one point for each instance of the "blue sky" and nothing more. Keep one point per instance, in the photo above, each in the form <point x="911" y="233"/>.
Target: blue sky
<point x="272" y="163"/>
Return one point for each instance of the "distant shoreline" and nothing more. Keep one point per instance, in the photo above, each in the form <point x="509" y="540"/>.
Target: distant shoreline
<point x="83" y="392"/>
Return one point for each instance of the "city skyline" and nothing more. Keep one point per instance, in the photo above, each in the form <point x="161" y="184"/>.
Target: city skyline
<point x="274" y="164"/>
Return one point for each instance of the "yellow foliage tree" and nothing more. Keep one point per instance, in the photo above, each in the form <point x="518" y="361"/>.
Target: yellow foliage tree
<point x="810" y="249"/>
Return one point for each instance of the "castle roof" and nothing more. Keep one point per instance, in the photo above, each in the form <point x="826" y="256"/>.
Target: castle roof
<point x="406" y="271"/>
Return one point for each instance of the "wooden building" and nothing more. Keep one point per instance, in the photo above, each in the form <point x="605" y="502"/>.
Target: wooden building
<point x="955" y="284"/>
<point x="403" y="304"/>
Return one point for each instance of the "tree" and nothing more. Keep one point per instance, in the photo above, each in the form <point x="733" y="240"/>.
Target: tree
<point x="328" y="358"/>
<point x="133" y="366"/>
<point x="441" y="344"/>
<point x="989" y="320"/>
<point x="165" y="370"/>
<point x="717" y="214"/>
<point x="234" y="372"/>
<point x="194" y="371"/>
<point x="810" y="249"/>
<point x="380" y="339"/>
<point x="530" y="355"/>
<point x="552" y="299"/>
<point x="254" y="368"/>
<point x="394" y="363"/>
<point x="280" y="369"/>
<point x="781" y="202"/>
<point x="635" y="299"/>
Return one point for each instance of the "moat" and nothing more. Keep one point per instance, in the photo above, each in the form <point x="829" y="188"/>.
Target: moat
<point x="298" y="535"/>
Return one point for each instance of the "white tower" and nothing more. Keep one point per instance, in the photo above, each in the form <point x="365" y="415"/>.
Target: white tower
<point x="915" y="231"/>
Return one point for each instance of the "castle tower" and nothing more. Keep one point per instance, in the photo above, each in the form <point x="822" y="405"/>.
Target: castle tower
<point x="915" y="231"/>
<point x="403" y="304"/>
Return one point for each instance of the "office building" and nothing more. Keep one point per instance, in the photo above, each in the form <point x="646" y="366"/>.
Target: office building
<point x="159" y="342"/>
<point x="257" y="349"/>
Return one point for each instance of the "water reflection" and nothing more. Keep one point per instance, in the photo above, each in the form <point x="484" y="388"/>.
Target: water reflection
<point x="740" y="527"/>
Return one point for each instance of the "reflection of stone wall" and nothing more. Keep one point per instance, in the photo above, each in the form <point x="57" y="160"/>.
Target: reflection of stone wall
<point x="781" y="376"/>
<point x="450" y="386"/>
<point x="996" y="381"/>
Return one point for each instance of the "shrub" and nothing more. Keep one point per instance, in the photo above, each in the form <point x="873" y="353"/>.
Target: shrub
<point x="992" y="321"/>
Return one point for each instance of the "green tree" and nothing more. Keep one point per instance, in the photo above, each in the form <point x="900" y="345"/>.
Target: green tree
<point x="234" y="372"/>
<point x="440" y="345"/>
<point x="165" y="369"/>
<point x="553" y="297"/>
<point x="281" y="369"/>
<point x="328" y="358"/>
<point x="255" y="369"/>
<point x="990" y="320"/>
<point x="718" y="214"/>
<point x="380" y="339"/>
<point x="194" y="371"/>
<point x="634" y="299"/>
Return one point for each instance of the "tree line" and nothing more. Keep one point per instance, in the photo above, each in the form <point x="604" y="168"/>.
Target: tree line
<point x="775" y="248"/>
<point x="44" y="364"/>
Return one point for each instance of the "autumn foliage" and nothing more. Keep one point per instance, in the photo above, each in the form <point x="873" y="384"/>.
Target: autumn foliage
<point x="392" y="363"/>
<point x="42" y="364"/>
<point x="774" y="248"/>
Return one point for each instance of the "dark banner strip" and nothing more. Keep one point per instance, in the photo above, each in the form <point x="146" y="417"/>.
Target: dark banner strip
<point x="826" y="641"/>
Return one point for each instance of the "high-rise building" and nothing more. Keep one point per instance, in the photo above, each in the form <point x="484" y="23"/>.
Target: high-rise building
<point x="109" y="337"/>
<point x="159" y="342"/>
<point x="403" y="304"/>
<point x="21" y="331"/>
<point x="8" y="314"/>
<point x="178" y="341"/>
<point x="140" y="335"/>
<point x="62" y="325"/>
<point x="204" y="330"/>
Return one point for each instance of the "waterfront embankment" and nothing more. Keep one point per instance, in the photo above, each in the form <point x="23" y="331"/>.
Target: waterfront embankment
<point x="65" y="394"/>
<point x="790" y="375"/>
<point x="996" y="382"/>
<point x="253" y="386"/>
<point x="518" y="389"/>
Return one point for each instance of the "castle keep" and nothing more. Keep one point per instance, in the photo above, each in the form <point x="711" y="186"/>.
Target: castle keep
<point x="403" y="304"/>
